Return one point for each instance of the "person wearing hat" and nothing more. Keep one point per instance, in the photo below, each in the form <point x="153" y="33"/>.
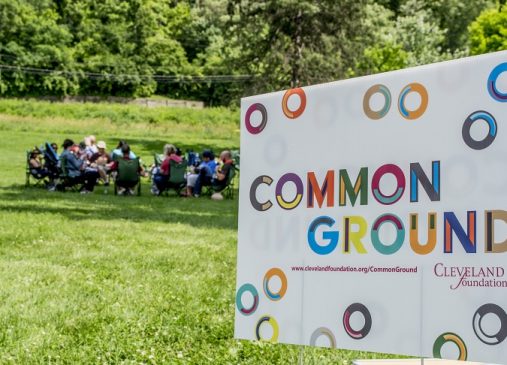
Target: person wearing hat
<point x="36" y="167"/>
<point x="76" y="168"/>
<point x="203" y="174"/>
<point x="100" y="161"/>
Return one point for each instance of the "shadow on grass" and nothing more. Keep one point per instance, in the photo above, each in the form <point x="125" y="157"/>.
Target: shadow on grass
<point x="201" y="212"/>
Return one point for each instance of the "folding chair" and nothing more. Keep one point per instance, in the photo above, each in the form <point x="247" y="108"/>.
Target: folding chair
<point x="39" y="181"/>
<point x="227" y="190"/>
<point x="177" y="180"/>
<point x="65" y="180"/>
<point x="128" y="175"/>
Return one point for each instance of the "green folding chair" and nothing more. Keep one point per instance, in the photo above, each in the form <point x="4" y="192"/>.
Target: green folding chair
<point x="127" y="175"/>
<point x="158" y="159"/>
<point x="177" y="180"/>
<point x="236" y="159"/>
<point x="227" y="190"/>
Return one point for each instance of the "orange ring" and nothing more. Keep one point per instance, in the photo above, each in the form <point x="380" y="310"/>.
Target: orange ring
<point x="275" y="272"/>
<point x="413" y="114"/>
<point x="293" y="114"/>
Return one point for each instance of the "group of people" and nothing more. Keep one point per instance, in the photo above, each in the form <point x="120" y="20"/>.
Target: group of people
<point x="207" y="172"/>
<point x="87" y="163"/>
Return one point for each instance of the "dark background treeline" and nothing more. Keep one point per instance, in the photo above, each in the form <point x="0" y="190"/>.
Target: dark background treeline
<point x="219" y="50"/>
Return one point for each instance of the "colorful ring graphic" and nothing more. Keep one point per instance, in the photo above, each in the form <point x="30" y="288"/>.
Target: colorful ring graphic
<point x="413" y="114"/>
<point x="493" y="77"/>
<point x="381" y="89"/>
<point x="498" y="337"/>
<point x="289" y="177"/>
<point x="449" y="337"/>
<point x="486" y="142"/>
<point x="400" y="184"/>
<point x="275" y="272"/>
<point x="400" y="234"/>
<point x="273" y="324"/>
<point x="262" y="109"/>
<point x="293" y="114"/>
<point x="251" y="289"/>
<point x="323" y="331"/>
<point x="363" y="332"/>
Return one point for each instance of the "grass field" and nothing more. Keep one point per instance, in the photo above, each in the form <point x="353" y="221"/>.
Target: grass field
<point x="102" y="279"/>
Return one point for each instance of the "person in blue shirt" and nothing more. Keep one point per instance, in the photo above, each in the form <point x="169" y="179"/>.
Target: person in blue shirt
<point x="76" y="168"/>
<point x="203" y="174"/>
<point x="118" y="154"/>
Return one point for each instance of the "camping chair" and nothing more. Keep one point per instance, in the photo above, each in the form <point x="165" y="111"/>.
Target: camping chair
<point x="177" y="179"/>
<point x="128" y="174"/>
<point x="158" y="159"/>
<point x="65" y="180"/>
<point x="227" y="190"/>
<point x="235" y="158"/>
<point x="39" y="181"/>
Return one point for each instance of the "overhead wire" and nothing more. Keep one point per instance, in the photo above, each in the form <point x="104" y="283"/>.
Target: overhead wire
<point x="181" y="78"/>
<point x="159" y="78"/>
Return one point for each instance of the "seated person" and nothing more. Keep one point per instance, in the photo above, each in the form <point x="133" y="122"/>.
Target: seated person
<point x="125" y="186"/>
<point x="86" y="147"/>
<point x="117" y="151"/>
<point x="92" y="147"/>
<point x="76" y="168"/>
<point x="219" y="182"/>
<point x="161" y="179"/>
<point x="203" y="174"/>
<point x="100" y="161"/>
<point x="36" y="167"/>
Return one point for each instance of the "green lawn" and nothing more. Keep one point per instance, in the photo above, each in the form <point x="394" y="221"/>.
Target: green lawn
<point x="102" y="279"/>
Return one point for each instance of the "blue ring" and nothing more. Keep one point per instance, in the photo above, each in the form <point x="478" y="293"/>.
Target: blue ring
<point x="247" y="288"/>
<point x="493" y="77"/>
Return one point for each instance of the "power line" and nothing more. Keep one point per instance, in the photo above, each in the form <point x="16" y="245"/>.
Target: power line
<point x="170" y="79"/>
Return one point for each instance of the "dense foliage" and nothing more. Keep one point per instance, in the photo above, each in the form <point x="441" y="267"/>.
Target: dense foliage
<point x="218" y="50"/>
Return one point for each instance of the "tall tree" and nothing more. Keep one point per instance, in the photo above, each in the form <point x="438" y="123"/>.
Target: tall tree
<point x="290" y="43"/>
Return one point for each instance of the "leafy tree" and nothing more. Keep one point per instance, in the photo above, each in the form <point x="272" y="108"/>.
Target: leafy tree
<point x="488" y="33"/>
<point x="290" y="43"/>
<point x="30" y="36"/>
<point x="383" y="52"/>
<point x="142" y="47"/>
<point x="419" y="34"/>
<point x="455" y="16"/>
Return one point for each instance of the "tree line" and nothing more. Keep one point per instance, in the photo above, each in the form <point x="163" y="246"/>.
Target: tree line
<point x="220" y="50"/>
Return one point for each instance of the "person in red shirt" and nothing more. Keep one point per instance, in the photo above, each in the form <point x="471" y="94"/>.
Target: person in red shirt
<point x="161" y="180"/>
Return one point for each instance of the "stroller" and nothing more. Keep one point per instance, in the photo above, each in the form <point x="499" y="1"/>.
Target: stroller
<point x="51" y="161"/>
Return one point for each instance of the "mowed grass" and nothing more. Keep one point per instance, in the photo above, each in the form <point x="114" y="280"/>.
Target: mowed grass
<point x="100" y="279"/>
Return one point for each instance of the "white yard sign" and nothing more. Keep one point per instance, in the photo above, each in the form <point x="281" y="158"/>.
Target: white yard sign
<point x="373" y="213"/>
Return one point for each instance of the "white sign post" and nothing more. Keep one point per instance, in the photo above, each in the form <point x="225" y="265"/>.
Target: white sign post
<point x="373" y="213"/>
